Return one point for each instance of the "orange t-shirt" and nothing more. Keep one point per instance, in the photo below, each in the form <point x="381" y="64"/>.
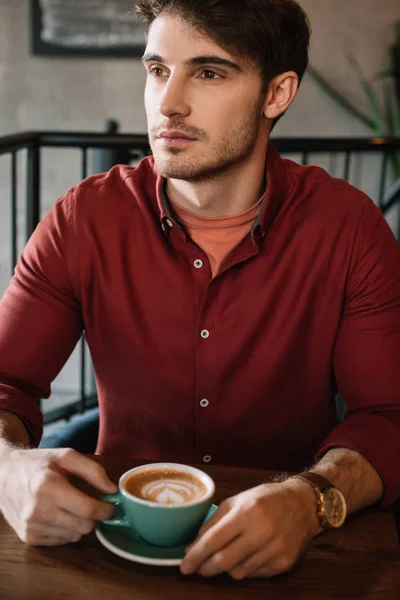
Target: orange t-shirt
<point x="217" y="236"/>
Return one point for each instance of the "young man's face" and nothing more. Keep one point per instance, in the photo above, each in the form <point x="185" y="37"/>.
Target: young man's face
<point x="196" y="88"/>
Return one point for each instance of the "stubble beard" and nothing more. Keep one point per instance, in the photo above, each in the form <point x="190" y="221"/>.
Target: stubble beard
<point x="232" y="149"/>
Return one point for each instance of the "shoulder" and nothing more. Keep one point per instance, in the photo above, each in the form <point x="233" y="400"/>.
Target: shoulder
<point x="315" y="184"/>
<point x="319" y="198"/>
<point x="113" y="195"/>
<point x="120" y="180"/>
<point x="336" y="216"/>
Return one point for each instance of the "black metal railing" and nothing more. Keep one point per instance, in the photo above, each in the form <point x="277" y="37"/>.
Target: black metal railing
<point x="135" y="147"/>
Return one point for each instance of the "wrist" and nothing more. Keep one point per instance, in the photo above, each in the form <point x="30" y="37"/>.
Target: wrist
<point x="308" y="501"/>
<point x="6" y="449"/>
<point x="6" y="456"/>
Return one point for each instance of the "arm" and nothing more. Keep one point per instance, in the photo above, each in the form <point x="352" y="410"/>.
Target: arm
<point x="361" y="455"/>
<point x="40" y="318"/>
<point x="40" y="323"/>
<point x="367" y="370"/>
<point x="351" y="473"/>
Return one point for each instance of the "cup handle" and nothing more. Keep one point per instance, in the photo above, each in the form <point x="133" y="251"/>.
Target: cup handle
<point x="119" y="519"/>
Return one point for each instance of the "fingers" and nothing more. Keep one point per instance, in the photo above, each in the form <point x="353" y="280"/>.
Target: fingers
<point x="37" y="534"/>
<point x="240" y="562"/>
<point x="217" y="516"/>
<point x="41" y="504"/>
<point x="230" y="558"/>
<point x="269" y="561"/>
<point x="251" y="566"/>
<point x="87" y="469"/>
<point x="213" y="540"/>
<point x="54" y="526"/>
<point x="277" y="567"/>
<point x="71" y="523"/>
<point x="80" y="505"/>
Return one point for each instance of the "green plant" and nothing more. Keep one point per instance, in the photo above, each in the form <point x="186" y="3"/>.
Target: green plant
<point x="384" y="116"/>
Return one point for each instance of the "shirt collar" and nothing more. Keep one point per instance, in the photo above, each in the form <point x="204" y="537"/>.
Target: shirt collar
<point x="276" y="190"/>
<point x="275" y="178"/>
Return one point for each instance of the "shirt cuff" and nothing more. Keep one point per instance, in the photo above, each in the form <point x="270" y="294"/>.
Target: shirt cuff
<point x="377" y="439"/>
<point x="26" y="409"/>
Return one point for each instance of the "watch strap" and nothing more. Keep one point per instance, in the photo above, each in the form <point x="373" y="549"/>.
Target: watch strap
<point x="318" y="482"/>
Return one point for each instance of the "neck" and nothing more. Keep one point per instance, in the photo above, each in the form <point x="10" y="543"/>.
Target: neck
<point x="229" y="193"/>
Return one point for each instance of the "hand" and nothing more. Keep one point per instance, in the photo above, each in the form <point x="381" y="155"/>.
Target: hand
<point x="39" y="502"/>
<point x="259" y="533"/>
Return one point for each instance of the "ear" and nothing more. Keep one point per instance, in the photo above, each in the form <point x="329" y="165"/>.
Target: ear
<point x="280" y="95"/>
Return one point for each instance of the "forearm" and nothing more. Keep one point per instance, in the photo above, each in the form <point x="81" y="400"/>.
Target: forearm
<point x="12" y="432"/>
<point x="353" y="475"/>
<point x="350" y="473"/>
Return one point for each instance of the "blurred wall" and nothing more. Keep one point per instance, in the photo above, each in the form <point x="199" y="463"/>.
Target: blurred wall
<point x="64" y="93"/>
<point x="74" y="93"/>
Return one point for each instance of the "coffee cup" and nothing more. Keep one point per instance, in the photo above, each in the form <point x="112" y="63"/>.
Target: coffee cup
<point x="164" y="503"/>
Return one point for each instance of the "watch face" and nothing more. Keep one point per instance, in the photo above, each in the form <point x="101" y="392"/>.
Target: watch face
<point x="335" y="507"/>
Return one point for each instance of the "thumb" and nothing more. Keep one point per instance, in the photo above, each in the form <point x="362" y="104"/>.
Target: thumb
<point x="75" y="463"/>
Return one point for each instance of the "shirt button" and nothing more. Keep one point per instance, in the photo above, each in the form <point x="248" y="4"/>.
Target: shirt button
<point x="169" y="223"/>
<point x="207" y="458"/>
<point x="198" y="264"/>
<point x="204" y="403"/>
<point x="205" y="334"/>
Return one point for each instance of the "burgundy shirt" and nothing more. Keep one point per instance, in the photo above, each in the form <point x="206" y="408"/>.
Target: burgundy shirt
<point x="241" y="369"/>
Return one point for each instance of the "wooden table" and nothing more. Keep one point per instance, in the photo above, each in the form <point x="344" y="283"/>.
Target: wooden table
<point x="362" y="560"/>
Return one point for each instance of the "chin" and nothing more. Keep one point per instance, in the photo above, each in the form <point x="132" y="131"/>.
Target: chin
<point x="178" y="168"/>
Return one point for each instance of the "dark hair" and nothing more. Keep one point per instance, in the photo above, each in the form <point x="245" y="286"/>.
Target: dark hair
<point x="273" y="34"/>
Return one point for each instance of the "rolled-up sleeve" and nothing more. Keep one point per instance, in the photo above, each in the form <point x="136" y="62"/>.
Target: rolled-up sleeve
<point x="40" y="318"/>
<point x="367" y="353"/>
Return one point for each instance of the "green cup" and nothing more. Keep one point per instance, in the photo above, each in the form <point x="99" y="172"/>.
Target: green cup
<point x="160" y="524"/>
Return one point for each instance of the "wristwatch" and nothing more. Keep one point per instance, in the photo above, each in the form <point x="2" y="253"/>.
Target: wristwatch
<point x="332" y="508"/>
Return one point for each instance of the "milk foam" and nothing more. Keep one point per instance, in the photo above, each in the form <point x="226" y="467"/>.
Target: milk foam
<point x="169" y="491"/>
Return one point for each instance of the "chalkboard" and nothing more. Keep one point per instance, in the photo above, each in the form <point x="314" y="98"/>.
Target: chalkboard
<point x="86" y="28"/>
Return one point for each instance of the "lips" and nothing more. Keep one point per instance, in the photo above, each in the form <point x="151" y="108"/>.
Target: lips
<point x="175" y="135"/>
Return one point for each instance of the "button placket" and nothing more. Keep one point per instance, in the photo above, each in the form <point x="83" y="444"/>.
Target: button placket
<point x="205" y="367"/>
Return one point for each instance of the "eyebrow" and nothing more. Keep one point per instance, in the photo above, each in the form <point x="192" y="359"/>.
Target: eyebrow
<point x="196" y="60"/>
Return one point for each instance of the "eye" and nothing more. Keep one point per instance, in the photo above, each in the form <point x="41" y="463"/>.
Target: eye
<point x="210" y="75"/>
<point x="156" y="72"/>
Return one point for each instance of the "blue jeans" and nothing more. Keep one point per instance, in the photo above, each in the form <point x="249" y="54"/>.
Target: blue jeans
<point x="81" y="434"/>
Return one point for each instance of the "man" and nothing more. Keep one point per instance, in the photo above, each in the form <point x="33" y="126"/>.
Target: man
<point x="226" y="295"/>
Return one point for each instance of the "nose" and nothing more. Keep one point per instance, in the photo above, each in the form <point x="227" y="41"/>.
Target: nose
<point x="174" y="98"/>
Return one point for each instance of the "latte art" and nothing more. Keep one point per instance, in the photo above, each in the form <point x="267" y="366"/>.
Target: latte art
<point x="169" y="491"/>
<point x="166" y="487"/>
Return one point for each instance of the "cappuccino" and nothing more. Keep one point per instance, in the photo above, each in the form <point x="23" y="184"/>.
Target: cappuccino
<point x="162" y="486"/>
